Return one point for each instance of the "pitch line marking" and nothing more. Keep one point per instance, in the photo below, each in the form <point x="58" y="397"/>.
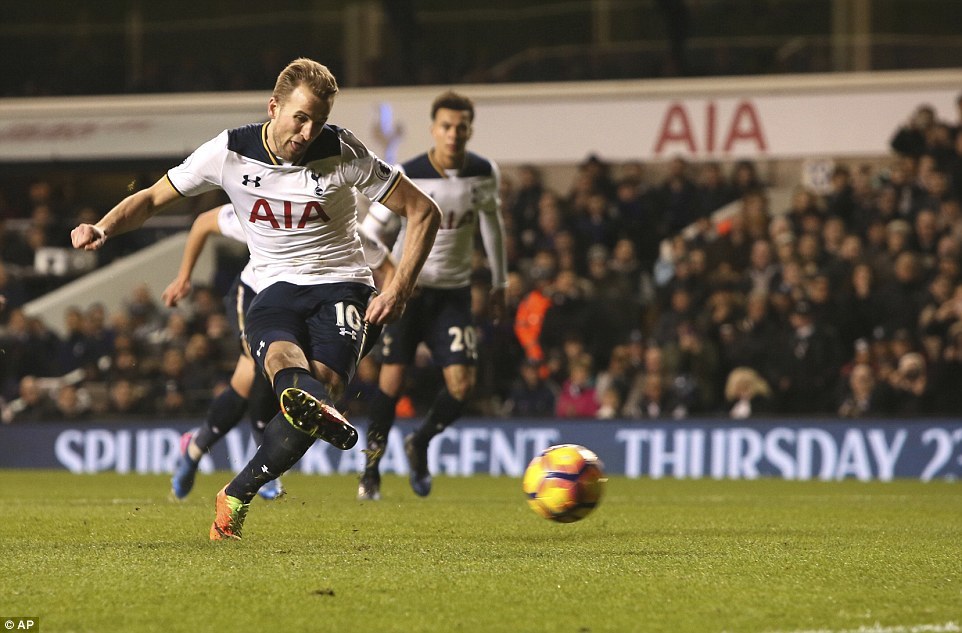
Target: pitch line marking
<point x="947" y="627"/>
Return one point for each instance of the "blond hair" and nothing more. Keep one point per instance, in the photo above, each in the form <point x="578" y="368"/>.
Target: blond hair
<point x="314" y="76"/>
<point x="742" y="375"/>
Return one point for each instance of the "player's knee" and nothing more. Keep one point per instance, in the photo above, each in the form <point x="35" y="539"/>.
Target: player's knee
<point x="329" y="378"/>
<point x="282" y="354"/>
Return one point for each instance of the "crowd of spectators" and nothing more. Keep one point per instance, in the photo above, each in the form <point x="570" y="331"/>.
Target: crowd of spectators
<point x="846" y="303"/>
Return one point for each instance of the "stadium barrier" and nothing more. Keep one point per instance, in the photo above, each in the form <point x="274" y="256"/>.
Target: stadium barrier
<point x="866" y="450"/>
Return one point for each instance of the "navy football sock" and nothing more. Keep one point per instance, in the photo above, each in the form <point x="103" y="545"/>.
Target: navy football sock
<point x="381" y="420"/>
<point x="302" y="379"/>
<point x="283" y="446"/>
<point x="225" y="412"/>
<point x="445" y="410"/>
<point x="262" y="406"/>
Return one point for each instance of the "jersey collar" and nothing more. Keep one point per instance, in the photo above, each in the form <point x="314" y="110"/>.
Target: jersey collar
<point x="440" y="169"/>
<point x="267" y="148"/>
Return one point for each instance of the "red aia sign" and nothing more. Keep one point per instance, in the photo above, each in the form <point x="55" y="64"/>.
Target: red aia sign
<point x="744" y="126"/>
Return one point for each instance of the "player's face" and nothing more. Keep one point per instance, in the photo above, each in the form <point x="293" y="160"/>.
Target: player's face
<point x="451" y="130"/>
<point x="296" y="122"/>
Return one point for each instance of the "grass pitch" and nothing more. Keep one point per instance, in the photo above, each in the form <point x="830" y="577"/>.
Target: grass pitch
<point x="111" y="553"/>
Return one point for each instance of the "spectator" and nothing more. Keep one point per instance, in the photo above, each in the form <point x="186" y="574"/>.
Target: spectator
<point x="529" y="318"/>
<point x="910" y="139"/>
<point x="678" y="198"/>
<point x="78" y="350"/>
<point x="807" y="365"/>
<point x="170" y="392"/>
<point x="125" y="400"/>
<point x="803" y="203"/>
<point x="733" y="246"/>
<point x="531" y="395"/>
<point x="948" y="395"/>
<point x="615" y="294"/>
<point x="72" y="404"/>
<point x="693" y="362"/>
<point x="13" y="248"/>
<point x="577" y="398"/>
<point x="657" y="400"/>
<point x="861" y="399"/>
<point x="747" y="394"/>
<point x="745" y="179"/>
<point x="30" y="349"/>
<point x="200" y="371"/>
<point x="762" y="269"/>
<point x="840" y="201"/>
<point x="713" y="191"/>
<point x="35" y="403"/>
<point x="144" y="313"/>
<point x="750" y="340"/>
<point x="571" y="311"/>
<point x="596" y="225"/>
<point x="679" y="310"/>
<point x="907" y="392"/>
<point x="551" y="221"/>
<point x="639" y="402"/>
<point x="903" y="297"/>
<point x="924" y="238"/>
<point x="637" y="215"/>
<point x="523" y="209"/>
<point x="12" y="288"/>
<point x="616" y="377"/>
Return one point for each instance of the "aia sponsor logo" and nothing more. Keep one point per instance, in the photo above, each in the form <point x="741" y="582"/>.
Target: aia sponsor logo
<point x="285" y="214"/>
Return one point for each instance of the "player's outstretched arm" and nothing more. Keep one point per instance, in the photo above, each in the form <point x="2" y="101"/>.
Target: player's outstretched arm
<point x="423" y="219"/>
<point x="203" y="227"/>
<point x="128" y="215"/>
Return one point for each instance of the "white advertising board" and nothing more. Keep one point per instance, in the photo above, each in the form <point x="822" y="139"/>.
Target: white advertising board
<point x="788" y="117"/>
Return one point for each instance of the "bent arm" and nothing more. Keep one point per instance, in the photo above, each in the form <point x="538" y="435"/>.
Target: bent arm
<point x="203" y="227"/>
<point x="128" y="215"/>
<point x="423" y="219"/>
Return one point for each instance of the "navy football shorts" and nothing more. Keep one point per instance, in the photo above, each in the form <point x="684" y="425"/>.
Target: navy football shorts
<point x="441" y="318"/>
<point x="237" y="302"/>
<point x="324" y="320"/>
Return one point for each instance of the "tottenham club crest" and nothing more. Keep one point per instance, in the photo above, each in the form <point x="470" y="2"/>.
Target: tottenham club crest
<point x="316" y="177"/>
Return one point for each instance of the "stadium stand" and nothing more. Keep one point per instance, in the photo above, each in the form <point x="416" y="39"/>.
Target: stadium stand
<point x="655" y="293"/>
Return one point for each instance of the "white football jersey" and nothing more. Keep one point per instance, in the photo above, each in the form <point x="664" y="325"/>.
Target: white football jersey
<point x="229" y="226"/>
<point x="465" y="196"/>
<point x="300" y="220"/>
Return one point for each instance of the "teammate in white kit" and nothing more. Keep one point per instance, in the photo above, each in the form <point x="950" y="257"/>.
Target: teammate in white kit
<point x="465" y="186"/>
<point x="292" y="182"/>
<point x="248" y="389"/>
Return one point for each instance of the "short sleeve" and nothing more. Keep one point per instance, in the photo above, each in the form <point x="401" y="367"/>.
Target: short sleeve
<point x="201" y="171"/>
<point x="369" y="174"/>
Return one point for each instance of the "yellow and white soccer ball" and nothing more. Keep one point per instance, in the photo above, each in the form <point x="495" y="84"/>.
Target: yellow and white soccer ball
<point x="564" y="483"/>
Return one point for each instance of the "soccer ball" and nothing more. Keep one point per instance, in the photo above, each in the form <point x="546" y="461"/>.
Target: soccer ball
<point x="564" y="483"/>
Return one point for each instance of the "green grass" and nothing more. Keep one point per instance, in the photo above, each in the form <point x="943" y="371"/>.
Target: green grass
<point x="111" y="553"/>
